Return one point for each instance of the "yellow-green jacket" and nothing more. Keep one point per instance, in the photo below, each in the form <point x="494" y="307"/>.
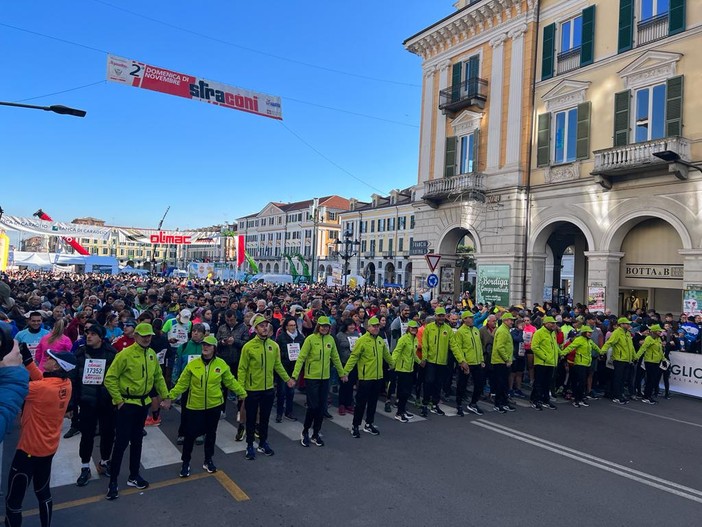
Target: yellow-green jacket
<point x="405" y="353"/>
<point x="467" y="342"/>
<point x="545" y="347"/>
<point x="436" y="341"/>
<point x="502" y="346"/>
<point x="132" y="375"/>
<point x="622" y="346"/>
<point x="651" y="349"/>
<point x="317" y="353"/>
<point x="258" y="360"/>
<point x="204" y="384"/>
<point x="583" y="347"/>
<point x="369" y="353"/>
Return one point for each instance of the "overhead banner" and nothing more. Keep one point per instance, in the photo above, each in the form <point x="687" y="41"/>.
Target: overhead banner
<point x="493" y="284"/>
<point x="141" y="75"/>
<point x="54" y="228"/>
<point x="686" y="373"/>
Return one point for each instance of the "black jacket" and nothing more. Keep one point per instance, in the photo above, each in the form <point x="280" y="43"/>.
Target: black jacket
<point x="91" y="394"/>
<point x="283" y="340"/>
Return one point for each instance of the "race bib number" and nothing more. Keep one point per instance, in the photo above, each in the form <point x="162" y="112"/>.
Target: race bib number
<point x="527" y="335"/>
<point x="352" y="342"/>
<point x="179" y="333"/>
<point x="521" y="352"/>
<point x="293" y="351"/>
<point x="33" y="349"/>
<point x="94" y="372"/>
<point x="161" y="356"/>
<point x="192" y="358"/>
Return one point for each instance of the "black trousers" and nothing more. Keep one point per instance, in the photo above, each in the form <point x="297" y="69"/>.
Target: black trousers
<point x="201" y="422"/>
<point x="405" y="382"/>
<point x="367" y="396"/>
<point x="103" y="416"/>
<point x="639" y="376"/>
<point x="578" y="375"/>
<point x="258" y="401"/>
<point x="478" y="374"/>
<point x="434" y="377"/>
<point x="419" y="374"/>
<point x="390" y="384"/>
<point x="448" y="377"/>
<point x="620" y="371"/>
<point x="500" y="376"/>
<point x="24" y="468"/>
<point x="317" y="390"/>
<point x="129" y="428"/>
<point x="184" y="414"/>
<point x="346" y="389"/>
<point x="653" y="377"/>
<point x="542" y="384"/>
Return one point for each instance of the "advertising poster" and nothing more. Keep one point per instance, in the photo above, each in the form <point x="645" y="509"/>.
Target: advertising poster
<point x="493" y="284"/>
<point x="596" y="299"/>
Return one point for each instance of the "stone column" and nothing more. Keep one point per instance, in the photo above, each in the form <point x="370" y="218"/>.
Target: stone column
<point x="603" y="271"/>
<point x="536" y="278"/>
<point x="440" y="141"/>
<point x="692" y="270"/>
<point x="427" y="114"/>
<point x="495" y="115"/>
<point x="514" y="111"/>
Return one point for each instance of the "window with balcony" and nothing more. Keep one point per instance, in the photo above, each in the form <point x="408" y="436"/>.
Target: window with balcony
<point x="412" y="222"/>
<point x="380" y="245"/>
<point x="400" y="244"/>
<point x="467" y="154"/>
<point x="649" y="119"/>
<point x="645" y="21"/>
<point x="573" y="48"/>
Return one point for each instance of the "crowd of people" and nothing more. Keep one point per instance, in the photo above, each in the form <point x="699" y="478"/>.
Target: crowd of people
<point x="112" y="352"/>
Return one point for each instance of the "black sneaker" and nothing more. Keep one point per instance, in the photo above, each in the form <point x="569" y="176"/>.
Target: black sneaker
<point x="509" y="408"/>
<point x="185" y="470"/>
<point x="355" y="432"/>
<point x="576" y="404"/>
<point x="584" y="403"/>
<point x="265" y="448"/>
<point x="317" y="440"/>
<point x="437" y="410"/>
<point x="408" y="415"/>
<point x="250" y="453"/>
<point x="620" y="401"/>
<point x="239" y="433"/>
<point x="103" y="468"/>
<point x="138" y="482"/>
<point x="71" y="432"/>
<point x="278" y="418"/>
<point x="290" y="417"/>
<point x="388" y="407"/>
<point x="327" y="415"/>
<point x="402" y="418"/>
<point x="84" y="477"/>
<point x="112" y="491"/>
<point x="209" y="466"/>
<point x="459" y="411"/>
<point x="424" y="411"/>
<point x="536" y="406"/>
<point x="370" y="429"/>
<point x="304" y="439"/>
<point x="499" y="409"/>
<point x="550" y="406"/>
<point x="475" y="409"/>
<point x="180" y="440"/>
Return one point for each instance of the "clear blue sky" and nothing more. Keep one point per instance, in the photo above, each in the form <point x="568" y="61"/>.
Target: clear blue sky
<point x="137" y="151"/>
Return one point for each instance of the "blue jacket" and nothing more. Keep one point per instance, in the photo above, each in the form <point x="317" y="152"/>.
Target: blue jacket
<point x="14" y="385"/>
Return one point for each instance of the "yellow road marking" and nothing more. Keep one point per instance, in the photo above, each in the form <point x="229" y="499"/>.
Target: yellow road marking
<point x="236" y="492"/>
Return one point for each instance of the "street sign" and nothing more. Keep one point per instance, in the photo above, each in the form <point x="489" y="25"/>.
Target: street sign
<point x="419" y="247"/>
<point x="432" y="280"/>
<point x="432" y="260"/>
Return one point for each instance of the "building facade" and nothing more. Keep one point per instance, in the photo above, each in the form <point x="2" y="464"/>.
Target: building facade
<point x="615" y="86"/>
<point x="474" y="139"/>
<point x="302" y="234"/>
<point x="384" y="228"/>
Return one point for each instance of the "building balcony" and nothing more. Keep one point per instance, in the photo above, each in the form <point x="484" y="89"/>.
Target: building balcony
<point x="388" y="254"/>
<point x="636" y="159"/>
<point x="463" y="186"/>
<point x="369" y="254"/>
<point x="568" y="60"/>
<point x="471" y="93"/>
<point x="652" y="29"/>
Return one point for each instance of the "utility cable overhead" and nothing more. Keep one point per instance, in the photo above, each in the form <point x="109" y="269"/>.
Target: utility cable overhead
<point x="257" y="51"/>
<point x="63" y="91"/>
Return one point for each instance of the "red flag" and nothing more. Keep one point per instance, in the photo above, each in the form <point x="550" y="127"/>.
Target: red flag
<point x="70" y="241"/>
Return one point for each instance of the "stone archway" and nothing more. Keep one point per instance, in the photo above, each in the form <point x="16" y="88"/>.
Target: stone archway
<point x="268" y="268"/>
<point x="457" y="248"/>
<point x="369" y="273"/>
<point x="276" y="268"/>
<point x="389" y="276"/>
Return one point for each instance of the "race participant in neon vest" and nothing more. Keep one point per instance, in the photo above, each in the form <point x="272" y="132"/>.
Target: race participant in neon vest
<point x="546" y="352"/>
<point x="501" y="360"/>
<point x="467" y="341"/>
<point x="405" y="358"/>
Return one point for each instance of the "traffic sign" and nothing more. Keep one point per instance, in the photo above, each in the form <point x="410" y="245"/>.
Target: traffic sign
<point x="432" y="260"/>
<point x="432" y="280"/>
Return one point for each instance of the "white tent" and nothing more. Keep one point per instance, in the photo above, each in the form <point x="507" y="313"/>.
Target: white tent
<point x="33" y="260"/>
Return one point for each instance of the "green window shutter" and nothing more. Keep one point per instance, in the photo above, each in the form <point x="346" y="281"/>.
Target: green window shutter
<point x="587" y="48"/>
<point x="674" y="106"/>
<point x="543" y="140"/>
<point x="456" y="82"/>
<point x="450" y="165"/>
<point x="621" y="118"/>
<point x="549" y="52"/>
<point x="676" y="17"/>
<point x="582" y="143"/>
<point x="626" y="25"/>
<point x="476" y="149"/>
<point x="473" y="67"/>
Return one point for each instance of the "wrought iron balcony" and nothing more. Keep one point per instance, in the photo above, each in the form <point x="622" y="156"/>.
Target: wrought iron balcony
<point x="463" y="186"/>
<point x="636" y="159"/>
<point x="471" y="93"/>
<point x="569" y="60"/>
<point x="369" y="254"/>
<point x="652" y="29"/>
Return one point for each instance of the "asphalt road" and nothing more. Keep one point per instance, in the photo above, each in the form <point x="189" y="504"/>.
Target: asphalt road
<point x="603" y="465"/>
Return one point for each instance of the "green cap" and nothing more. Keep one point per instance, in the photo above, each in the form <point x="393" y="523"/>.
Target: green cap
<point x="373" y="321"/>
<point x="440" y="311"/>
<point x="507" y="316"/>
<point x="323" y="321"/>
<point x="144" y="329"/>
<point x="623" y="320"/>
<point x="412" y="324"/>
<point x="210" y="339"/>
<point x="256" y="320"/>
<point x="586" y="329"/>
<point x="656" y="327"/>
<point x="548" y="320"/>
<point x="467" y="314"/>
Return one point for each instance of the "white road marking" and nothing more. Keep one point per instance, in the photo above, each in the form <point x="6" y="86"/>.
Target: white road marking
<point x="157" y="449"/>
<point x="65" y="467"/>
<point x="658" y="416"/>
<point x="620" y="470"/>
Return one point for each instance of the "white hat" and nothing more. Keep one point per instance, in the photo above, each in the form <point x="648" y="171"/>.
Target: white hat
<point x="185" y="313"/>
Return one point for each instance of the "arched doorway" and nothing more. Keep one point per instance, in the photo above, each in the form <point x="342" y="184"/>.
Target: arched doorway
<point x="408" y="274"/>
<point x="268" y="268"/>
<point x="369" y="273"/>
<point x="457" y="249"/>
<point x="276" y="268"/>
<point x="329" y="270"/>
<point x="389" y="277"/>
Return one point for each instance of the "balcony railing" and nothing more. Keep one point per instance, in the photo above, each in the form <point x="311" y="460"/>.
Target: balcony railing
<point x="637" y="158"/>
<point x="466" y="186"/>
<point x="569" y="60"/>
<point x="369" y="254"/>
<point x="651" y="29"/>
<point x="467" y="94"/>
<point x="388" y="254"/>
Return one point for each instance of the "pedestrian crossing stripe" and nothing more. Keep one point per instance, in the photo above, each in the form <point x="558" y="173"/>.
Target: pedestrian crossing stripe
<point x="65" y="467"/>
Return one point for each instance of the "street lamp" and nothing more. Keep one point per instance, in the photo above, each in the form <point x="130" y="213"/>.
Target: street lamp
<point x="677" y="164"/>
<point x="56" y="108"/>
<point x="350" y="247"/>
